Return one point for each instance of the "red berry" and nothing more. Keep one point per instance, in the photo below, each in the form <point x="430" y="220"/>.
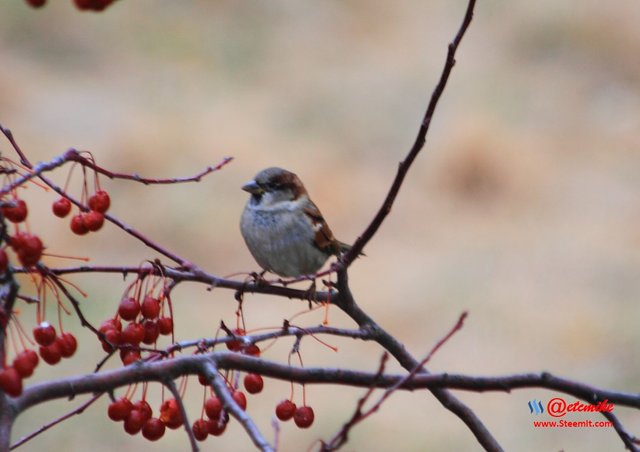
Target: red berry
<point x="112" y="337"/>
<point x="129" y="308"/>
<point x="61" y="207"/>
<point x="235" y="345"/>
<point x="68" y="344"/>
<point x="4" y="261"/>
<point x="77" y="224"/>
<point x="216" y="428"/>
<point x="170" y="414"/>
<point x="285" y="410"/>
<point x="30" y="249"/>
<point x="253" y="383"/>
<point x="33" y="357"/>
<point x="36" y="3"/>
<point x="304" y="417"/>
<point x="153" y="429"/>
<point x="44" y="334"/>
<point x="17" y="213"/>
<point x="25" y="362"/>
<point x="93" y="220"/>
<point x="252" y="350"/>
<point x="132" y="334"/>
<point x="134" y="422"/>
<point x="109" y="324"/>
<point x="213" y="407"/>
<point x="200" y="429"/>
<point x="151" y="332"/>
<point x="165" y="325"/>
<point x="11" y="382"/>
<point x="51" y="353"/>
<point x="120" y="409"/>
<point x="130" y="356"/>
<point x="100" y="201"/>
<point x="150" y="307"/>
<point x="240" y="398"/>
<point x="144" y="407"/>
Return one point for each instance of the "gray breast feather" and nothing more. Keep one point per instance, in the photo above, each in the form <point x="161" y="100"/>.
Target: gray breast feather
<point x="281" y="242"/>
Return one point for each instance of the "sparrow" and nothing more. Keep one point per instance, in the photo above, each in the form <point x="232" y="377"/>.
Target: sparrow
<point x="283" y="229"/>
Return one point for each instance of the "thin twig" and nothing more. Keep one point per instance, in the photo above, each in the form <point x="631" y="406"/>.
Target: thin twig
<point x="55" y="422"/>
<point x="183" y="412"/>
<point x="219" y="386"/>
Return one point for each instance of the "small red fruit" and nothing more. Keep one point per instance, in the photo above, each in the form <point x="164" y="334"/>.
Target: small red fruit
<point x="100" y="201"/>
<point x="285" y="410"/>
<point x="110" y="323"/>
<point x="153" y="429"/>
<point x="252" y="350"/>
<point x="240" y="398"/>
<point x="113" y="337"/>
<point x="93" y="220"/>
<point x="253" y="383"/>
<point x="17" y="213"/>
<point x="132" y="334"/>
<point x="30" y="249"/>
<point x="61" y="207"/>
<point x="134" y="422"/>
<point x="213" y="407"/>
<point x="77" y="224"/>
<point x="165" y="325"/>
<point x="129" y="308"/>
<point x="216" y="428"/>
<point x="170" y="414"/>
<point x="11" y="382"/>
<point x="150" y="307"/>
<point x="151" y="332"/>
<point x="235" y="345"/>
<point x="120" y="409"/>
<point x="25" y="362"/>
<point x="304" y="417"/>
<point x="144" y="407"/>
<point x="36" y="3"/>
<point x="200" y="429"/>
<point x="44" y="334"/>
<point x="68" y="344"/>
<point x="130" y="356"/>
<point x="51" y="353"/>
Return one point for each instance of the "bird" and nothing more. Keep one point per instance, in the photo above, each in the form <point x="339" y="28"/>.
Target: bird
<point x="283" y="228"/>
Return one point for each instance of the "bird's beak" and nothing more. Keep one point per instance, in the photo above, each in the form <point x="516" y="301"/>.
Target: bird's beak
<point x="252" y="188"/>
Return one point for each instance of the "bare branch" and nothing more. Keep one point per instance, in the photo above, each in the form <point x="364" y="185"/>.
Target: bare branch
<point x="183" y="412"/>
<point x="55" y="422"/>
<point x="222" y="391"/>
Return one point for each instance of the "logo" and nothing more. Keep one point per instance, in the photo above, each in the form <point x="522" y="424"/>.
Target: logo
<point x="535" y="406"/>
<point x="558" y="407"/>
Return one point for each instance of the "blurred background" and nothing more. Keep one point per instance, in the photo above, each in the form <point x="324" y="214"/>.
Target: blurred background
<point x="523" y="209"/>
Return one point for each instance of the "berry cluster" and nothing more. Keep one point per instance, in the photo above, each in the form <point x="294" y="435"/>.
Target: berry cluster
<point x="28" y="247"/>
<point x="85" y="222"/>
<point x="53" y="348"/>
<point x="89" y="5"/>
<point x="302" y="416"/>
<point x="147" y="322"/>
<point x="138" y="417"/>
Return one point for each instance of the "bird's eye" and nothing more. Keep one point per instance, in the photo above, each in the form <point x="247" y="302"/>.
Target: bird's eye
<point x="272" y="186"/>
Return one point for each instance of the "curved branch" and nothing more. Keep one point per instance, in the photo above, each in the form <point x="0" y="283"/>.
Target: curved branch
<point x="201" y="364"/>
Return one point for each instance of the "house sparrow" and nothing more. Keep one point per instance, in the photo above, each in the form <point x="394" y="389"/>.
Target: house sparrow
<point x="283" y="228"/>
